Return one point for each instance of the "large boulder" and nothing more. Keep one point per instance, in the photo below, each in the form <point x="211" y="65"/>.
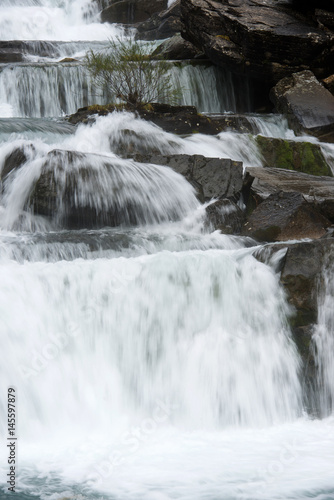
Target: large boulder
<point x="211" y="177"/>
<point x="83" y="190"/>
<point x="161" y="25"/>
<point x="318" y="190"/>
<point x="131" y="11"/>
<point x="286" y="216"/>
<point x="308" y="106"/>
<point x="304" y="157"/>
<point x="265" y="39"/>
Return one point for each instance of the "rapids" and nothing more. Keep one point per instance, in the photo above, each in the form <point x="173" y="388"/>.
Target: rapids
<point x="152" y="360"/>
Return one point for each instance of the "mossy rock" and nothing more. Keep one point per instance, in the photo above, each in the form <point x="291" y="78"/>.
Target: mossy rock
<point x="292" y="155"/>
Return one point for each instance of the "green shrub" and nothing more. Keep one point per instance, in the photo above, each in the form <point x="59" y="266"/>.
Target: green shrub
<point x="126" y="73"/>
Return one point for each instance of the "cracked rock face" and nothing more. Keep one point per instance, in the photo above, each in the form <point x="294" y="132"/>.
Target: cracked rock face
<point x="265" y="39"/>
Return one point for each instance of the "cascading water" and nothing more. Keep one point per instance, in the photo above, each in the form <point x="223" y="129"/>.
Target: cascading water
<point x="323" y="339"/>
<point x="151" y="360"/>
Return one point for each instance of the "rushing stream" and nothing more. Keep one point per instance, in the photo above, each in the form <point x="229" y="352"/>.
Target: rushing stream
<point x="152" y="360"/>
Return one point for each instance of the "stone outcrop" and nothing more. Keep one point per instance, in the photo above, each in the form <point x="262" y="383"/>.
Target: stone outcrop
<point x="177" y="119"/>
<point x="176" y="48"/>
<point x="131" y="11"/>
<point x="318" y="190"/>
<point x="304" y="157"/>
<point x="300" y="273"/>
<point x="211" y="177"/>
<point x="286" y="216"/>
<point x="308" y="106"/>
<point x="265" y="39"/>
<point x="161" y="25"/>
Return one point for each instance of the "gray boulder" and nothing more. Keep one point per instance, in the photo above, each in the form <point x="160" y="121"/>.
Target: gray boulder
<point x="308" y="106"/>
<point x="211" y="177"/>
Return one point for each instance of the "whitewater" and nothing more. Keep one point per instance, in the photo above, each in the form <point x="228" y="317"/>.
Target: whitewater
<point x="152" y="360"/>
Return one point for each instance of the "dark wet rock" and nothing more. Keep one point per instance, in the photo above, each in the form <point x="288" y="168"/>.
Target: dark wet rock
<point x="13" y="161"/>
<point x="318" y="190"/>
<point x="285" y="216"/>
<point x="131" y="11"/>
<point x="226" y="216"/>
<point x="176" y="48"/>
<point x="300" y="274"/>
<point x="211" y="177"/>
<point x="84" y="190"/>
<point x="308" y="106"/>
<point x="10" y="57"/>
<point x="265" y="39"/>
<point x="181" y="120"/>
<point x="161" y="25"/>
<point x="292" y="155"/>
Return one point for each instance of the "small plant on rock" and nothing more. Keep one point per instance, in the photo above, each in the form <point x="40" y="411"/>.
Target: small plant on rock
<point x="127" y="74"/>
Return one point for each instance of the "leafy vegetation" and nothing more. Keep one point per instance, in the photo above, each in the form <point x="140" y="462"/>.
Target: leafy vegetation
<point x="126" y="73"/>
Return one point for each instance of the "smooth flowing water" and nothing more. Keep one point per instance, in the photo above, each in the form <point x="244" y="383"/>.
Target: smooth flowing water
<point x="152" y="360"/>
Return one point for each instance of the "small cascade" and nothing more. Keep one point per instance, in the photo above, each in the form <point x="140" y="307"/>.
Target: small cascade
<point x="53" y="20"/>
<point x="323" y="339"/>
<point x="25" y="89"/>
<point x="211" y="89"/>
<point x="75" y="189"/>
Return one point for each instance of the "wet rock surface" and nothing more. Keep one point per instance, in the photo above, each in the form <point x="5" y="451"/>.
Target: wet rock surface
<point x="285" y="216"/>
<point x="161" y="25"/>
<point x="292" y="155"/>
<point x="211" y="177"/>
<point x="308" y="106"/>
<point x="266" y="39"/>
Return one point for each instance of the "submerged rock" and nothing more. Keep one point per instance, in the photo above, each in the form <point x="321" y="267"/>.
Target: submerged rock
<point x="308" y="106"/>
<point x="292" y="155"/>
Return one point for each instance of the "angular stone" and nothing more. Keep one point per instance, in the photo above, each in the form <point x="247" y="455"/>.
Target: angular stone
<point x="176" y="48"/>
<point x="285" y="216"/>
<point x="212" y="177"/>
<point x="308" y="106"/>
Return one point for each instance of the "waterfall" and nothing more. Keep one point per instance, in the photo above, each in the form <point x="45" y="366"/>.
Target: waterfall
<point x="323" y="339"/>
<point x="25" y="89"/>
<point x="151" y="358"/>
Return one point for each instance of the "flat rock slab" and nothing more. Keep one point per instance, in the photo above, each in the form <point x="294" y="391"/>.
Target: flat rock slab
<point x="270" y="180"/>
<point x="308" y="106"/>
